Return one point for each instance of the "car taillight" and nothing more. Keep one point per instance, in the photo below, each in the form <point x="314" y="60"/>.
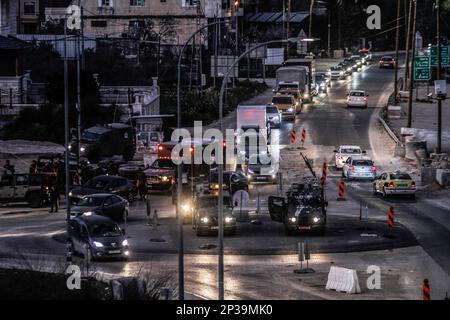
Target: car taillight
<point x="160" y="147"/>
<point x="391" y="184"/>
<point x="413" y="184"/>
<point x="374" y="168"/>
<point x="392" y="62"/>
<point x="365" y="98"/>
<point x="351" y="168"/>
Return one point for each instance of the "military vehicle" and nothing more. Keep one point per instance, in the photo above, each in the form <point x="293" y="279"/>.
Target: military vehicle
<point x="32" y="188"/>
<point x="304" y="208"/>
<point x="103" y="141"/>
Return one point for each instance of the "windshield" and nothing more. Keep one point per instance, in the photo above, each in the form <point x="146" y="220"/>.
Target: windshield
<point x="282" y="100"/>
<point x="320" y="78"/>
<point x="163" y="164"/>
<point x="96" y="184"/>
<point x="336" y="69"/>
<point x="88" y="135"/>
<point x="104" y="230"/>
<point x="208" y="202"/>
<point x="387" y="59"/>
<point x="90" y="202"/>
<point x="288" y="86"/>
<point x="363" y="163"/>
<point x="400" y="176"/>
<point x="351" y="151"/>
<point x="272" y="110"/>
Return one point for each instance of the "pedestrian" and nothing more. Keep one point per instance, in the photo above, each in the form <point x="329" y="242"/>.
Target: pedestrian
<point x="54" y="198"/>
<point x="141" y="184"/>
<point x="33" y="166"/>
<point x="9" y="168"/>
<point x="155" y="219"/>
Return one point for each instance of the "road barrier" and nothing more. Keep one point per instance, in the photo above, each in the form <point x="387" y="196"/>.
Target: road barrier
<point x="341" y="194"/>
<point x="426" y="290"/>
<point x="343" y="280"/>
<point x="303" y="136"/>
<point x="323" y="179"/>
<point x="391" y="217"/>
<point x="293" y="136"/>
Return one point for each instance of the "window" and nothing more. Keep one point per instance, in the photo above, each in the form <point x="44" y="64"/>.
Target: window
<point x="106" y="3"/>
<point x="97" y="24"/>
<point x="189" y="3"/>
<point x="137" y="2"/>
<point x="29" y="7"/>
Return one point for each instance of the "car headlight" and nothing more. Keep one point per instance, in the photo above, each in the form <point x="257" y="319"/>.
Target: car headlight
<point x="349" y="69"/>
<point x="164" y="178"/>
<point x="341" y="73"/>
<point x="204" y="220"/>
<point x="274" y="176"/>
<point x="82" y="149"/>
<point x="186" y="207"/>
<point x="70" y="193"/>
<point x="249" y="176"/>
<point x="316" y="219"/>
<point x="125" y="243"/>
<point x="69" y="147"/>
<point x="293" y="219"/>
<point x="87" y="213"/>
<point x="228" y="219"/>
<point x="290" y="109"/>
<point x="306" y="95"/>
<point x="97" y="244"/>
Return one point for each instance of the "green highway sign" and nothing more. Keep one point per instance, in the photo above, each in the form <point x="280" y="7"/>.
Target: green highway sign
<point x="444" y="56"/>
<point x="422" y="70"/>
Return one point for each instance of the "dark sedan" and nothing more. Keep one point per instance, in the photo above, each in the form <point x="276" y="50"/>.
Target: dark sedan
<point x="103" y="204"/>
<point x="105" y="184"/>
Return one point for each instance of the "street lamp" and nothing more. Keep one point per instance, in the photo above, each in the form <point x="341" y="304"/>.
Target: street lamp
<point x="220" y="165"/>
<point x="179" y="166"/>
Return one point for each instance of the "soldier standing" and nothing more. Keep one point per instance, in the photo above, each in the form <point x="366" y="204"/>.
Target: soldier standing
<point x="54" y="197"/>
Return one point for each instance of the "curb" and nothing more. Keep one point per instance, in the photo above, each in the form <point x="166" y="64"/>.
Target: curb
<point x="11" y="213"/>
<point x="385" y="125"/>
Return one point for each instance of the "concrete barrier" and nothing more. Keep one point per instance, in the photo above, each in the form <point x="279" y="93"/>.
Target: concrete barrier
<point x="394" y="112"/>
<point x="343" y="280"/>
<point x="443" y="177"/>
<point x="412" y="147"/>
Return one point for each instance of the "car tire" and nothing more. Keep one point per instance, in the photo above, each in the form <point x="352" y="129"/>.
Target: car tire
<point x="34" y="200"/>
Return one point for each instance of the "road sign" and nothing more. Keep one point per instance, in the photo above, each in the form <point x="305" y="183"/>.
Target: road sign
<point x="422" y="68"/>
<point x="444" y="56"/>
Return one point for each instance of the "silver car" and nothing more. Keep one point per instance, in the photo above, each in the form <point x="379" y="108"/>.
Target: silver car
<point x="359" y="168"/>
<point x="99" y="237"/>
<point x="273" y="116"/>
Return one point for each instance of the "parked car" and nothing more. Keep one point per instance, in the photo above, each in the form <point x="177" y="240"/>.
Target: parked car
<point x="359" y="167"/>
<point x="101" y="235"/>
<point x="394" y="183"/>
<point x="104" y="204"/>
<point x="387" y="62"/>
<point x="344" y="152"/>
<point x="357" y="98"/>
<point x="273" y="116"/>
<point x="105" y="184"/>
<point x="32" y="188"/>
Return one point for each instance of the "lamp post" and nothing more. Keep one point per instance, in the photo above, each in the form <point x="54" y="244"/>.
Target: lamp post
<point x="179" y="166"/>
<point x="438" y="76"/>
<point x="220" y="165"/>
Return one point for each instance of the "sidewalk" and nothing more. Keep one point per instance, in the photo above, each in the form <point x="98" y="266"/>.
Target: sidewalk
<point x="424" y="119"/>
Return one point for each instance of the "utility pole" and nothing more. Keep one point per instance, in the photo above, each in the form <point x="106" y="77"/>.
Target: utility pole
<point x="340" y="24"/>
<point x="78" y="95"/>
<point x="288" y="27"/>
<point x="329" y="33"/>
<point x="311" y="6"/>
<point x="411" y="74"/>
<point x="438" y="75"/>
<point x="66" y="130"/>
<point x="397" y="35"/>
<point x="408" y="38"/>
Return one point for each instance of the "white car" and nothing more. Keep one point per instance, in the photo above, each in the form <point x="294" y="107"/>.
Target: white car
<point x="357" y="98"/>
<point x="344" y="152"/>
<point x="357" y="167"/>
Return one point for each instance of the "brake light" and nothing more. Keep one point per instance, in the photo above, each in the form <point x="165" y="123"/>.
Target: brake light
<point x="160" y="147"/>
<point x="191" y="149"/>
<point x="374" y="168"/>
<point x="365" y="98"/>
<point x="413" y="184"/>
<point x="391" y="184"/>
<point x="392" y="62"/>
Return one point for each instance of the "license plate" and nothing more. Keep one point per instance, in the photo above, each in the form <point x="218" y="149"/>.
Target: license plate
<point x="214" y="228"/>
<point x="402" y="185"/>
<point x="114" y="251"/>
<point x="260" y="178"/>
<point x="304" y="228"/>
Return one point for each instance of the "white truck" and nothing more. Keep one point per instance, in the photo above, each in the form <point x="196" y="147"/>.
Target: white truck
<point x="252" y="130"/>
<point x="293" y="78"/>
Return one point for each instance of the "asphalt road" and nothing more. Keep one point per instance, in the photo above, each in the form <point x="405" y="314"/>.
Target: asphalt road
<point x="328" y="124"/>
